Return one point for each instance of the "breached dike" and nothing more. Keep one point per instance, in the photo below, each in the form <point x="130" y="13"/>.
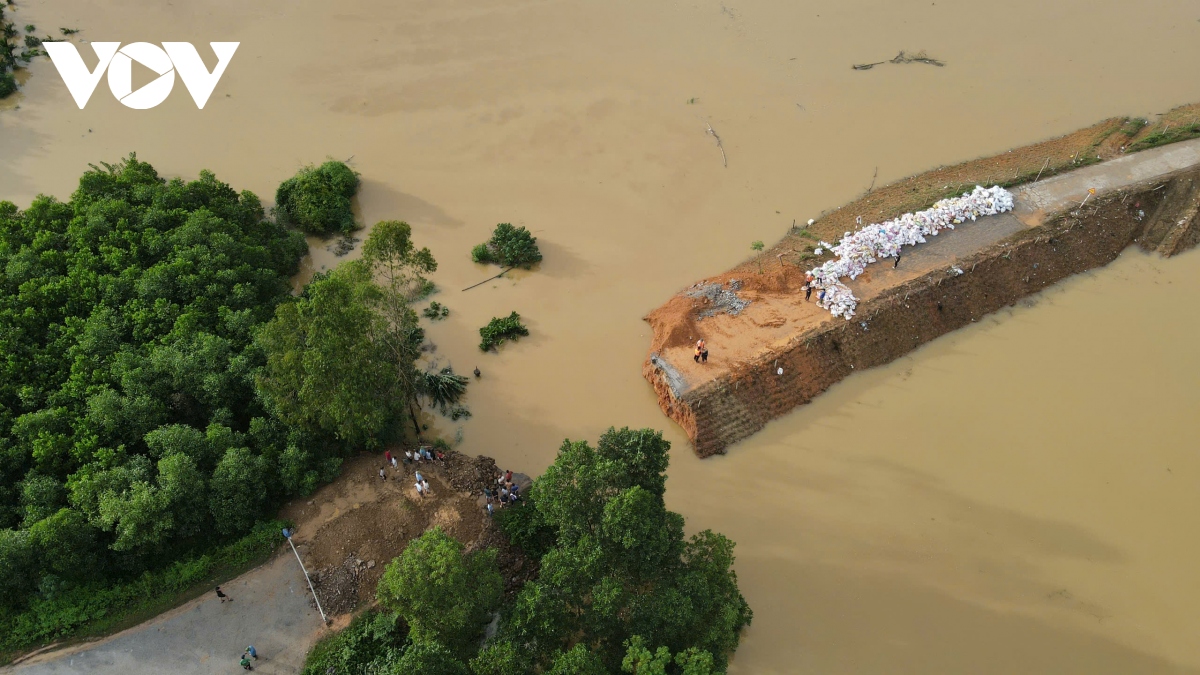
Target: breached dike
<point x="792" y="352"/>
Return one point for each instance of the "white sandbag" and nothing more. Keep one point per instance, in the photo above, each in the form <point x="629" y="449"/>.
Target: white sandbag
<point x="884" y="240"/>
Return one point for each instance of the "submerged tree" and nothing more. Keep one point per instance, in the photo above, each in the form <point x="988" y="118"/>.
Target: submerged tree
<point x="509" y="246"/>
<point x="317" y="198"/>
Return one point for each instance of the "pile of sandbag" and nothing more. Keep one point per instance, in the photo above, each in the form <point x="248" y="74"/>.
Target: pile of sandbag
<point x="883" y="240"/>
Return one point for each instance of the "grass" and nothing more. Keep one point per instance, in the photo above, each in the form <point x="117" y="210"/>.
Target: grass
<point x="90" y="612"/>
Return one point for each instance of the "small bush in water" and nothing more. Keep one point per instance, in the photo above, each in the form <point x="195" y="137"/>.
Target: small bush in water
<point x="317" y="199"/>
<point x="498" y="330"/>
<point x="509" y="246"/>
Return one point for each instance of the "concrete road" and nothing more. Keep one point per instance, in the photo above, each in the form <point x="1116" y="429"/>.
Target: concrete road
<point x="270" y="609"/>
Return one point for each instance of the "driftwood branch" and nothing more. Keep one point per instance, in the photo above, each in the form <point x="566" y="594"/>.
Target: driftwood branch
<point x="488" y="279"/>
<point x="724" y="160"/>
<point x="873" y="177"/>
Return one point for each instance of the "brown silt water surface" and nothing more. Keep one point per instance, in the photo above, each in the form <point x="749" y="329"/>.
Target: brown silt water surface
<point x="1018" y="497"/>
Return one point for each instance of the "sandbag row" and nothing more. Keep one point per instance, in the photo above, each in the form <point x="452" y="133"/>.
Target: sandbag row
<point x="883" y="240"/>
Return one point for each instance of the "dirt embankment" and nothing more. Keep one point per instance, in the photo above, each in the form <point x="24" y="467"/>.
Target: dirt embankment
<point x="747" y="390"/>
<point x="349" y="530"/>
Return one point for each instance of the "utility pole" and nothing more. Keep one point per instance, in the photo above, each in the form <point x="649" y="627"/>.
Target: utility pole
<point x="288" y="534"/>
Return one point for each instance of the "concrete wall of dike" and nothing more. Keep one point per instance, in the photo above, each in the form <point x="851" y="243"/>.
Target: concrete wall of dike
<point x="788" y="351"/>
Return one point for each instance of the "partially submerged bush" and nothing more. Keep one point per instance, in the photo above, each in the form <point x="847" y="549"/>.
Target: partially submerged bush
<point x="498" y="330"/>
<point x="442" y="387"/>
<point x="317" y="198"/>
<point x="436" y="311"/>
<point x="509" y="246"/>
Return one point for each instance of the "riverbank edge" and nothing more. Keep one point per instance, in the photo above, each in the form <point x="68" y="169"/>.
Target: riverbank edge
<point x="735" y="405"/>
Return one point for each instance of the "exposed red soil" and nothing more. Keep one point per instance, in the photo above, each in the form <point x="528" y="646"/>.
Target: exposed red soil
<point x="349" y="530"/>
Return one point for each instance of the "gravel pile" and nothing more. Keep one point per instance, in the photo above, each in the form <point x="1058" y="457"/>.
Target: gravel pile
<point x="719" y="298"/>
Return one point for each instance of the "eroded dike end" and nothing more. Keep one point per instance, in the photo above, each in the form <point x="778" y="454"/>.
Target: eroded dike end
<point x="1149" y="198"/>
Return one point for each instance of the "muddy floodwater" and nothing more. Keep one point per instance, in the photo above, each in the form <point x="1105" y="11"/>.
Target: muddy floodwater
<point x="1021" y="496"/>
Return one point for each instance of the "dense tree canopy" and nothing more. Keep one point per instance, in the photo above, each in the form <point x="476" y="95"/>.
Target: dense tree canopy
<point x="616" y="565"/>
<point x="129" y="424"/>
<point x="317" y="198"/>
<point x="443" y="595"/>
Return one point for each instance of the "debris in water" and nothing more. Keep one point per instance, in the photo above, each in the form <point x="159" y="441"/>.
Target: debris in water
<point x="903" y="57"/>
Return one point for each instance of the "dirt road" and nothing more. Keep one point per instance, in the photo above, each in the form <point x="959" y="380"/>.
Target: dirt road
<point x="270" y="610"/>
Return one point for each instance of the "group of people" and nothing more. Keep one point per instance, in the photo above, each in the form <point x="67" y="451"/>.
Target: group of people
<point x="422" y="485"/>
<point x="701" y="355"/>
<point x="506" y="493"/>
<point x="809" y="284"/>
<point x="250" y="653"/>
<point x="417" y="456"/>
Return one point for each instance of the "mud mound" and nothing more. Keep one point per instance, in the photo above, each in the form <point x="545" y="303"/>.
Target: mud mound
<point x="349" y="530"/>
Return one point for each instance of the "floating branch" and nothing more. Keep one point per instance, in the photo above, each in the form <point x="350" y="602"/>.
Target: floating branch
<point x="724" y="160"/>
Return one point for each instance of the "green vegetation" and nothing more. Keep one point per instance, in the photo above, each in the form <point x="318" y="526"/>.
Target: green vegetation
<point x="444" y="595"/>
<point x="96" y="608"/>
<point x="509" y="246"/>
<point x="131" y="435"/>
<point x="8" y="55"/>
<point x="619" y="565"/>
<point x="756" y="246"/>
<point x="619" y="588"/>
<point x="161" y="390"/>
<point x="442" y="387"/>
<point x="324" y="372"/>
<point x="372" y="639"/>
<point x="436" y="311"/>
<point x="1166" y="135"/>
<point x="317" y="198"/>
<point x="498" y="330"/>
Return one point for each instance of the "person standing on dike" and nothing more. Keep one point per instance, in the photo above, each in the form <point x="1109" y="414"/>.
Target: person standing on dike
<point x="702" y="350"/>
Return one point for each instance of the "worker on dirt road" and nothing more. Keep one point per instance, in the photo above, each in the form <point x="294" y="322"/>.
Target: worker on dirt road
<point x="701" y="352"/>
<point x="808" y="286"/>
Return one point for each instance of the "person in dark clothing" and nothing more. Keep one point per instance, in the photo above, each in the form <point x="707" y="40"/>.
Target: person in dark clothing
<point x="222" y="595"/>
<point x="245" y="663"/>
<point x="807" y="291"/>
<point x="897" y="263"/>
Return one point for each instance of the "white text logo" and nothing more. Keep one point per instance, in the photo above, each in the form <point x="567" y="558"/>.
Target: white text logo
<point x="172" y="57"/>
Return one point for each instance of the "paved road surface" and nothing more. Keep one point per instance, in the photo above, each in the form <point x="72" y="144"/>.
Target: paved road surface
<point x="270" y="610"/>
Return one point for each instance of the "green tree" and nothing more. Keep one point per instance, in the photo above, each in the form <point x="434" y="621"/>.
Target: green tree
<point x="327" y="370"/>
<point x="127" y="316"/>
<point x="139" y="516"/>
<point x="443" y="595"/>
<point x="183" y="487"/>
<point x="620" y="565"/>
<point x="317" y="198"/>
<point x="509" y="246"/>
<point x="499" y="658"/>
<point x="237" y="490"/>
<point x="427" y="658"/>
<point x="578" y="660"/>
<point x="400" y="267"/>
<point x="641" y="661"/>
<point x="41" y="496"/>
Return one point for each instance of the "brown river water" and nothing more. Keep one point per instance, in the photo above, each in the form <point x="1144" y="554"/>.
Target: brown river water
<point x="1020" y="496"/>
